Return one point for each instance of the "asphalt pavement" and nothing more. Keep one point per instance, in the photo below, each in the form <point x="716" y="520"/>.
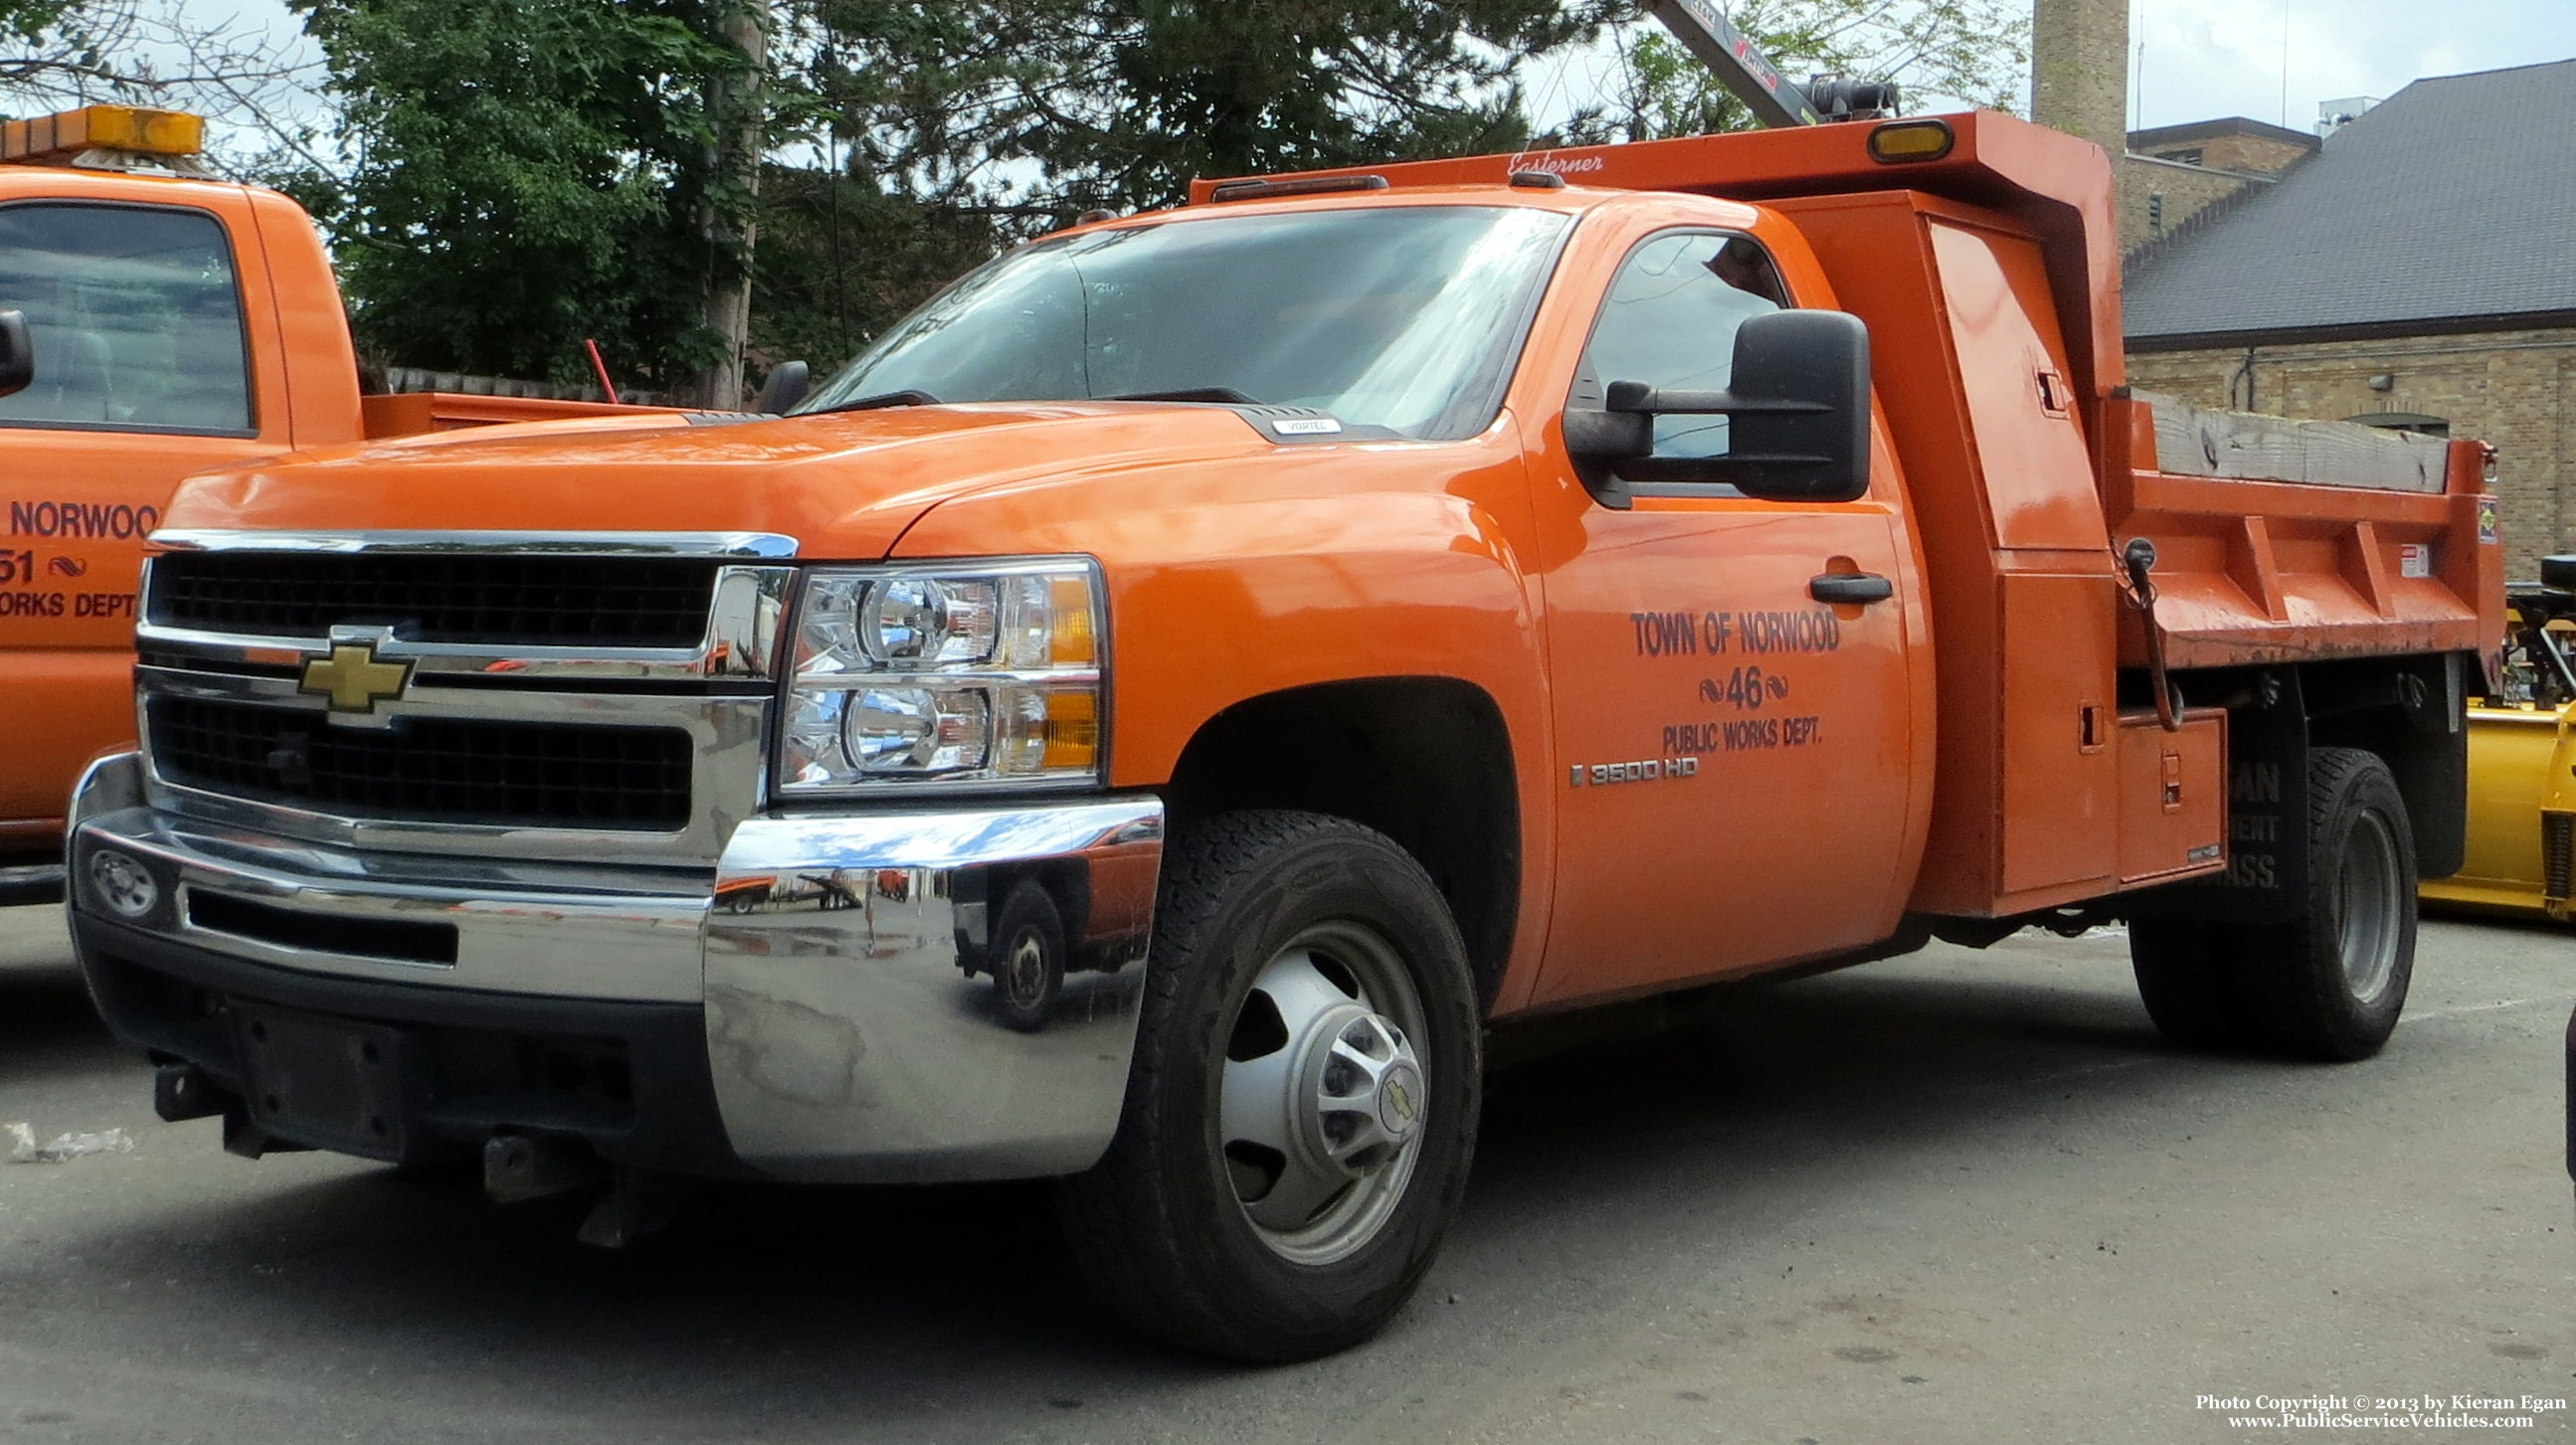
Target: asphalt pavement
<point x="1958" y="1197"/>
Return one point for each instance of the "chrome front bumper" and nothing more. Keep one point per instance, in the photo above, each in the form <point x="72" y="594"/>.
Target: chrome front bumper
<point x="845" y="1039"/>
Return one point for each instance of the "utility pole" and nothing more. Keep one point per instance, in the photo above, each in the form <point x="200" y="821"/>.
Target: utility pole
<point x="736" y="104"/>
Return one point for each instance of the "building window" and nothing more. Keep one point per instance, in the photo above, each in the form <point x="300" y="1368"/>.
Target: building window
<point x="2414" y="421"/>
<point x="2189" y="157"/>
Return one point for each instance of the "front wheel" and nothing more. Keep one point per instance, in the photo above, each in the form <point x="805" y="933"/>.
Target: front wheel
<point x="1028" y="957"/>
<point x="1303" y="1104"/>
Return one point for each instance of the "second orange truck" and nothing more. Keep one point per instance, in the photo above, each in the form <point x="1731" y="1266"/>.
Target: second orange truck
<point x="154" y="321"/>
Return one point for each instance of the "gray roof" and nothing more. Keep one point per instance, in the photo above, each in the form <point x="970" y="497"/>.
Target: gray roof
<point x="2453" y="201"/>
<point x="2222" y="126"/>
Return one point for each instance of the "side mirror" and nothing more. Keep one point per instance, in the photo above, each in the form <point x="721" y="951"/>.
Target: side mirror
<point x="1799" y="405"/>
<point x="17" y="353"/>
<point x="786" y="385"/>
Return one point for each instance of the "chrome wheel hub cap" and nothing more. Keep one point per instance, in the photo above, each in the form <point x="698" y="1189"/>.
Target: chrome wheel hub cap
<point x="1025" y="970"/>
<point x="1324" y="1098"/>
<point x="2368" y="895"/>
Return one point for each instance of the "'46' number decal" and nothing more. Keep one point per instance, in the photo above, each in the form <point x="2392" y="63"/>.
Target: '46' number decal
<point x="1744" y="687"/>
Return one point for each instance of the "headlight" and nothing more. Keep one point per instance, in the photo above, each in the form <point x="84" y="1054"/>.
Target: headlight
<point x="945" y="673"/>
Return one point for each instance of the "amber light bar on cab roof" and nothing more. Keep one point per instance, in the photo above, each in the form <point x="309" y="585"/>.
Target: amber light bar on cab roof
<point x="106" y="137"/>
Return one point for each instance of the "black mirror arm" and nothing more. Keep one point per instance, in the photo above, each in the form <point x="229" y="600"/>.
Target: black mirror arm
<point x="1636" y="396"/>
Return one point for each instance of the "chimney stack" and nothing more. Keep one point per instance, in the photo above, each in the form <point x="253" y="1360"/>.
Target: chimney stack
<point x="2079" y="69"/>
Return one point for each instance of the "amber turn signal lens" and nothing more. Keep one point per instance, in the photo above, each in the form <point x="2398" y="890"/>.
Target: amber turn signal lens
<point x="1069" y="639"/>
<point x="1072" y="730"/>
<point x="1910" y="140"/>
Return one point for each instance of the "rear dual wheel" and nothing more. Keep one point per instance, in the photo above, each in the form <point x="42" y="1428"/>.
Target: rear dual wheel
<point x="2327" y="984"/>
<point x="1302" y="1109"/>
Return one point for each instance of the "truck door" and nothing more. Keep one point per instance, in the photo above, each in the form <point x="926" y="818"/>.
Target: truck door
<point x="1734" y="756"/>
<point x="143" y="375"/>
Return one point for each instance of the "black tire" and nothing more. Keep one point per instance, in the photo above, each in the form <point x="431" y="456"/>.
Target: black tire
<point x="1028" y="957"/>
<point x="1164" y="1227"/>
<point x="2331" y="983"/>
<point x="2328" y="984"/>
<point x="2184" y="970"/>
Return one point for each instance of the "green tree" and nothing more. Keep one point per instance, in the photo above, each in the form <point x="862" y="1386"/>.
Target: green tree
<point x="840" y="258"/>
<point x="520" y="174"/>
<point x="1147" y="94"/>
<point x="523" y="174"/>
<point x="954" y="128"/>
<point x="33" y="47"/>
<point x="29" y="20"/>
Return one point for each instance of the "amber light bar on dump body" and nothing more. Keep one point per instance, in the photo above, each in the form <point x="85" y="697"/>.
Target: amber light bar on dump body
<point x="65" y="137"/>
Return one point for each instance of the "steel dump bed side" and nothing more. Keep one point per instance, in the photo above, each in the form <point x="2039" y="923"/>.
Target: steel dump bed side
<point x="2255" y="569"/>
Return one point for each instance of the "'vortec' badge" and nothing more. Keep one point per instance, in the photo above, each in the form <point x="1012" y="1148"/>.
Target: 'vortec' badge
<point x="353" y="679"/>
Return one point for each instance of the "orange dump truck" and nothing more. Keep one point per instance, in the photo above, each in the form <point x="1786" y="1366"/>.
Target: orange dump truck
<point x="153" y="322"/>
<point x="1141" y="721"/>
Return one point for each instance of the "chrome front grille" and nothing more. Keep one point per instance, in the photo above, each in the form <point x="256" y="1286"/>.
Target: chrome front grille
<point x="492" y="599"/>
<point x="603" y="697"/>
<point x="424" y="769"/>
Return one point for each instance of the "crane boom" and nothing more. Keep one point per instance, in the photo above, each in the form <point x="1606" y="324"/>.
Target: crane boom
<point x="1740" y="64"/>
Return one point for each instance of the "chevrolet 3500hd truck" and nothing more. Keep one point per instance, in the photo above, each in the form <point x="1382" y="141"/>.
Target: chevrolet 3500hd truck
<point x="154" y="321"/>
<point x="1144" y="718"/>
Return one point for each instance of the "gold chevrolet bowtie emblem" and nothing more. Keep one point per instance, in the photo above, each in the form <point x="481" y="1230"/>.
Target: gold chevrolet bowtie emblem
<point x="353" y="679"/>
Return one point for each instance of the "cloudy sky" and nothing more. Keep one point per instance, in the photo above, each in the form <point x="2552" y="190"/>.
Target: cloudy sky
<point x="2208" y="58"/>
<point x="2192" y="59"/>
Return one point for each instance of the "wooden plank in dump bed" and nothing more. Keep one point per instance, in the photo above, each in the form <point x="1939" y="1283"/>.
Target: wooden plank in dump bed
<point x="2193" y="441"/>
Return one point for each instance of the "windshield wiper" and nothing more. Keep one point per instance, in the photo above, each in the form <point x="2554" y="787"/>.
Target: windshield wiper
<point x="1188" y="393"/>
<point x="881" y="399"/>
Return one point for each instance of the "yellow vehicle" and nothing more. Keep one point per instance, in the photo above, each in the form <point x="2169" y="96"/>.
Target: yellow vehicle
<point x="2522" y="764"/>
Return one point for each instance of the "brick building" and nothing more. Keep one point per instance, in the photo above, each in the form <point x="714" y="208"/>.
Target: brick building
<point x="2173" y="173"/>
<point x="2079" y="83"/>
<point x="2417" y="271"/>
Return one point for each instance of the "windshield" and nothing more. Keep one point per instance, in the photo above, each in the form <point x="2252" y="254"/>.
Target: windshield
<point x="1405" y="317"/>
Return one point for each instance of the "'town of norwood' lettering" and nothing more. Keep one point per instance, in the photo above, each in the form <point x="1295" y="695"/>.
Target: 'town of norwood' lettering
<point x="82" y="519"/>
<point x="1686" y="634"/>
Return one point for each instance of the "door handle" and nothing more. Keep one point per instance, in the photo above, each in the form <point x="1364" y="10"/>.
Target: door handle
<point x="1850" y="587"/>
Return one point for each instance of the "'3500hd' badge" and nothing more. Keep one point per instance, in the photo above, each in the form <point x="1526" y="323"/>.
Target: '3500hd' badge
<point x="1647" y="770"/>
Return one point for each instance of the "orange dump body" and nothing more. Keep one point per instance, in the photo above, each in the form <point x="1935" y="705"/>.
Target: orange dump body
<point x="119" y="412"/>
